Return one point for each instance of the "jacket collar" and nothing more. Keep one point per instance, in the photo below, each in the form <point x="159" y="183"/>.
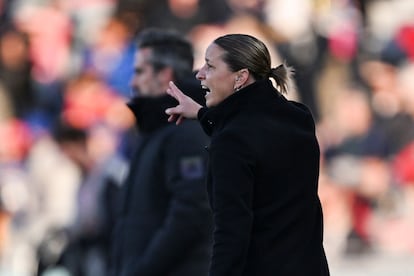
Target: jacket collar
<point x="150" y="111"/>
<point x="251" y="97"/>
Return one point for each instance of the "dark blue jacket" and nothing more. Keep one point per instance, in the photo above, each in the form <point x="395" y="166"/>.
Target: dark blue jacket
<point x="164" y="225"/>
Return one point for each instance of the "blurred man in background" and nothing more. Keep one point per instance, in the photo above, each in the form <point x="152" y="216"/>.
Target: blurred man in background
<point x="163" y="227"/>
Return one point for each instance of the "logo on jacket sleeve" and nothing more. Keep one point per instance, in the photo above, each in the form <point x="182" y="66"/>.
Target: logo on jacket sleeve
<point x="192" y="167"/>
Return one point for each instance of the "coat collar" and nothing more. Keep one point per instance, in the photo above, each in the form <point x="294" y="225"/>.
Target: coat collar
<point x="252" y="97"/>
<point x="150" y="111"/>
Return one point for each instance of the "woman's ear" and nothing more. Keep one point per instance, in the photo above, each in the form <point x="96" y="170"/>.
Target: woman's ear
<point x="242" y="76"/>
<point x="241" y="79"/>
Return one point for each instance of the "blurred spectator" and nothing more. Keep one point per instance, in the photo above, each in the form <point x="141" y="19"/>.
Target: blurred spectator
<point x="50" y="32"/>
<point x="381" y="76"/>
<point x="89" y="17"/>
<point x="111" y="56"/>
<point x="87" y="100"/>
<point x="304" y="43"/>
<point x="86" y="252"/>
<point x="54" y="182"/>
<point x="15" y="72"/>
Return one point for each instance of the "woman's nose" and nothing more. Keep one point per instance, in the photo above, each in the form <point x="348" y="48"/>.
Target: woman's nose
<point x="200" y="74"/>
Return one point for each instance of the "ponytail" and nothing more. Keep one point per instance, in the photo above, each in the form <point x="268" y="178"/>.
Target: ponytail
<point x="282" y="74"/>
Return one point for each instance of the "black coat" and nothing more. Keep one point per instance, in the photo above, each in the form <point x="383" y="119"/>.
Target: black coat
<point x="262" y="185"/>
<point x="164" y="225"/>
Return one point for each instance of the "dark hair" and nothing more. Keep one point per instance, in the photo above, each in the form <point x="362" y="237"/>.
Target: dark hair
<point x="246" y="51"/>
<point x="169" y="49"/>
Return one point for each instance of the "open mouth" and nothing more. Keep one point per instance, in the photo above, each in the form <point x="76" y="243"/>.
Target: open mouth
<point x="206" y="89"/>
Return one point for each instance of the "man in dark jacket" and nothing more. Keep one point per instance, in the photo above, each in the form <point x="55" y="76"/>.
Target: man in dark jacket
<point x="164" y="224"/>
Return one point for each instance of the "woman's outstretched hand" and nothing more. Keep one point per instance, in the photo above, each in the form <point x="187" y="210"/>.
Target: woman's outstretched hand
<point x="186" y="108"/>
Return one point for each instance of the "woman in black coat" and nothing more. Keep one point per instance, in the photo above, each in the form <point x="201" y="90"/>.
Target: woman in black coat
<point x="264" y="164"/>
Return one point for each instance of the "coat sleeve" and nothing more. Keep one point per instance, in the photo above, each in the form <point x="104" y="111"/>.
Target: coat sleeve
<point x="188" y="219"/>
<point x="232" y="169"/>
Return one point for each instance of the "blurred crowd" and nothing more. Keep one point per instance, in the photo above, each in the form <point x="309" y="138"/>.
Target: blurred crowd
<point x="66" y="134"/>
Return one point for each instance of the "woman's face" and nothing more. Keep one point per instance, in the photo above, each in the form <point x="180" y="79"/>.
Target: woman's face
<point x="216" y="77"/>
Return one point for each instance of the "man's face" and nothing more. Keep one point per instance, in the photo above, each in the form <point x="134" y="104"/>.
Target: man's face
<point x="147" y="82"/>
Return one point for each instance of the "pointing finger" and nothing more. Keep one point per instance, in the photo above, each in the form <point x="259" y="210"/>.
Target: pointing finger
<point x="174" y="91"/>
